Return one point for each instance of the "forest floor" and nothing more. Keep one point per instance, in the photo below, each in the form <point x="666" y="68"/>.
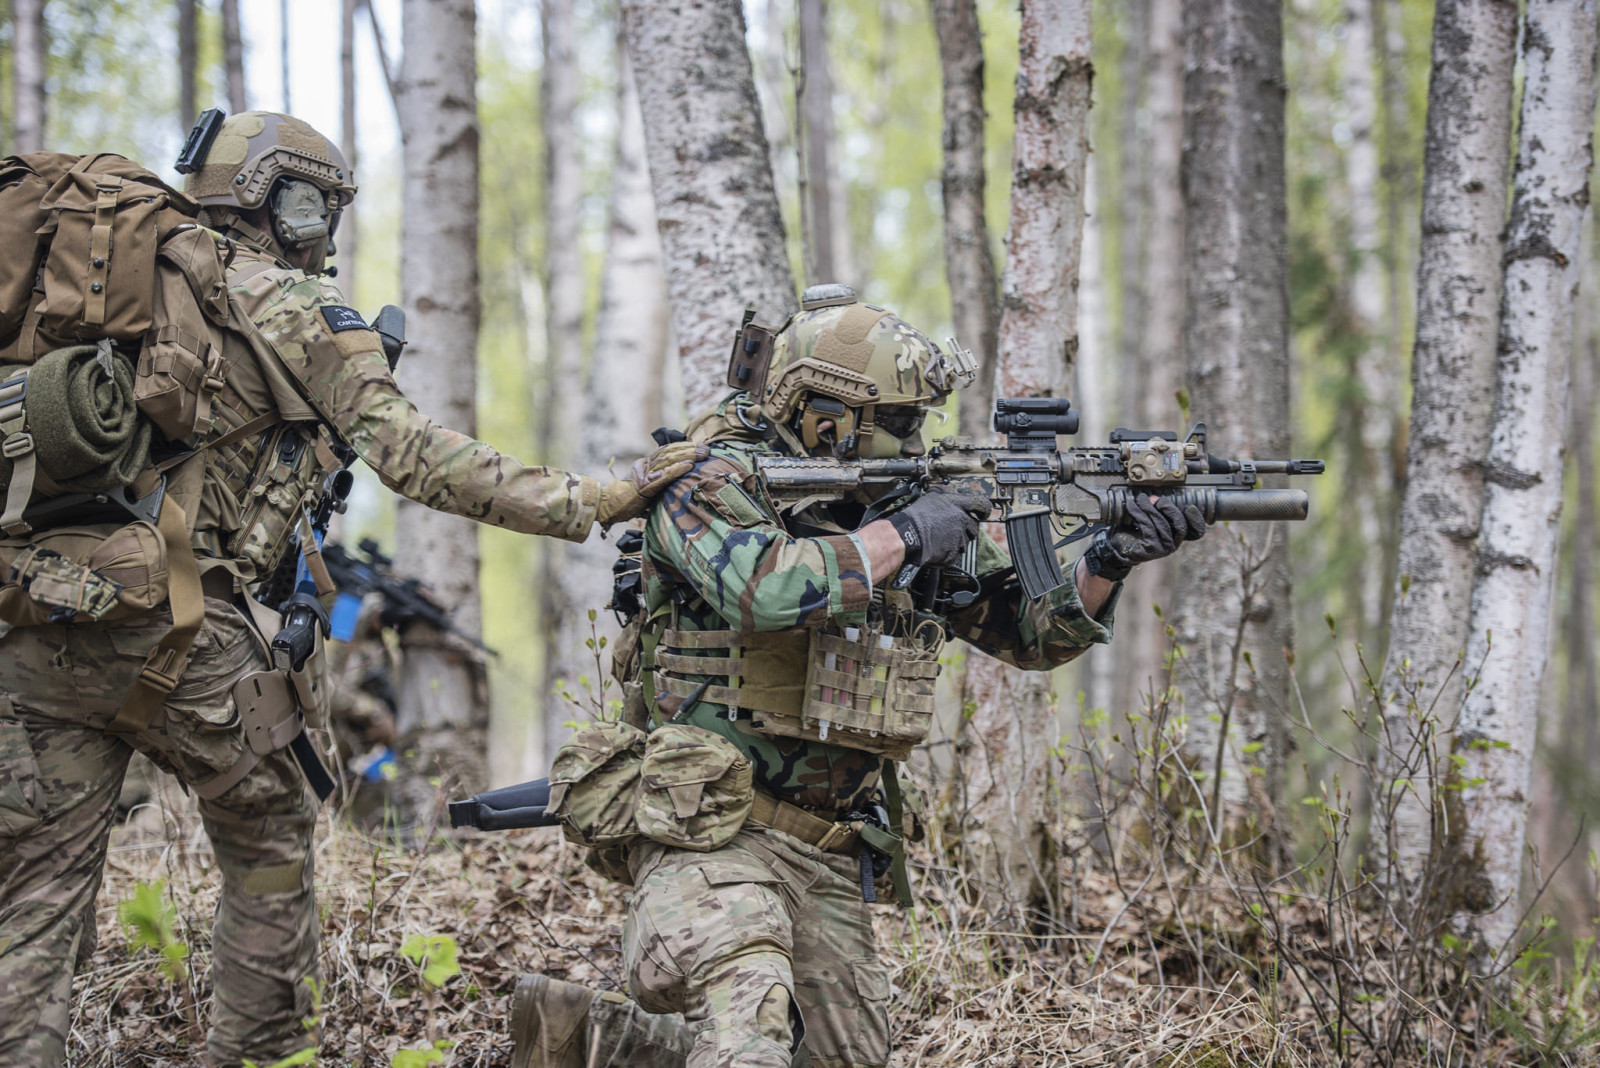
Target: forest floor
<point x="521" y="901"/>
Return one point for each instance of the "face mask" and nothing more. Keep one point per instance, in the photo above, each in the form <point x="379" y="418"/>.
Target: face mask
<point x="300" y="219"/>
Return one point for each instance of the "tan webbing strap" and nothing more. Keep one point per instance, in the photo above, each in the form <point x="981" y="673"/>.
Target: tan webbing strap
<point x="17" y="446"/>
<point x="311" y="553"/>
<point x="221" y="783"/>
<point x="105" y="210"/>
<point x="830" y="837"/>
<point x="164" y="665"/>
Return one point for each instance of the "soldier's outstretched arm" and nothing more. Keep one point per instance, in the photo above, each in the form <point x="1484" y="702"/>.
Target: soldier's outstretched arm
<point x="339" y="362"/>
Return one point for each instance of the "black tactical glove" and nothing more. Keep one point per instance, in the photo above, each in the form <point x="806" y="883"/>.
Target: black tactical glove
<point x="1149" y="532"/>
<point x="936" y="527"/>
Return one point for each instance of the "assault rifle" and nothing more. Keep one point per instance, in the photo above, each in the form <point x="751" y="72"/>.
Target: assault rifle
<point x="404" y="600"/>
<point x="1046" y="496"/>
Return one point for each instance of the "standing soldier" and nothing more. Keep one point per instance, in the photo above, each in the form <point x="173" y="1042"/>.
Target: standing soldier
<point x="790" y="676"/>
<point x="298" y="372"/>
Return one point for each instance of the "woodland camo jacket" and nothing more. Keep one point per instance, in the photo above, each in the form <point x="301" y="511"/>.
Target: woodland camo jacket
<point x="736" y="566"/>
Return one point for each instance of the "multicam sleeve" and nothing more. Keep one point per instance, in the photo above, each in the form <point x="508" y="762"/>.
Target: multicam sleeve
<point x="340" y="363"/>
<point x="709" y="529"/>
<point x="1032" y="635"/>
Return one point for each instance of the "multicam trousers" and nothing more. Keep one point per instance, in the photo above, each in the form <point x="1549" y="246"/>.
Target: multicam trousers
<point x="59" y="778"/>
<point x="729" y="937"/>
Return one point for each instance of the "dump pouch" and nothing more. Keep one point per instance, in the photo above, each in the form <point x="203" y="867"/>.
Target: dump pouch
<point x="594" y="784"/>
<point x="696" y="788"/>
<point x="82" y="574"/>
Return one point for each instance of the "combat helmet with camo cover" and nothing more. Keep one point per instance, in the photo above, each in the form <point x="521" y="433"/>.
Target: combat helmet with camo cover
<point x="849" y="376"/>
<point x="261" y="159"/>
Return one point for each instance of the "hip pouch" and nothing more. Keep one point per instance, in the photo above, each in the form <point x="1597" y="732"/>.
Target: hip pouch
<point x="594" y="784"/>
<point x="83" y="574"/>
<point x="696" y="788"/>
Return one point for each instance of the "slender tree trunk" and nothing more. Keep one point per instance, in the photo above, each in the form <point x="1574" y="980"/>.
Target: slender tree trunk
<point x="1007" y="740"/>
<point x="1234" y="602"/>
<point x="564" y="606"/>
<point x="187" y="62"/>
<point x="821" y="205"/>
<point x="1521" y="523"/>
<point x="721" y="231"/>
<point x="1149" y="397"/>
<point x="1580" y="731"/>
<point x="439" y="705"/>
<point x="283" y="55"/>
<point x="630" y="340"/>
<point x="968" y="255"/>
<point x="233" y="58"/>
<point x="1132" y="203"/>
<point x="29" y="65"/>
<point x="1452" y="375"/>
<point x="348" y="235"/>
<point x="1369" y="483"/>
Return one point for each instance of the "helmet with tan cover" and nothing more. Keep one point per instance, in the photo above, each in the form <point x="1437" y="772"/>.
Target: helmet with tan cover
<point x="854" y="377"/>
<point x="253" y="149"/>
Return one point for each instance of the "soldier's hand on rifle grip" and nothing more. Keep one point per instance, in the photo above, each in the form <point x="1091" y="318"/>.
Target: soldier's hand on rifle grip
<point x="936" y="527"/>
<point x="628" y="498"/>
<point x="1154" y="528"/>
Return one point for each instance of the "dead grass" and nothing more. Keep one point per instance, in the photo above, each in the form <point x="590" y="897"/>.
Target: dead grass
<point x="967" y="991"/>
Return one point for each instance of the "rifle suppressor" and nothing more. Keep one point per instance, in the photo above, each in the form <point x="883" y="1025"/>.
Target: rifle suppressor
<point x="506" y="809"/>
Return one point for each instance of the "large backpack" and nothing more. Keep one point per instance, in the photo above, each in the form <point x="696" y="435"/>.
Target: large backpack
<point x="96" y="250"/>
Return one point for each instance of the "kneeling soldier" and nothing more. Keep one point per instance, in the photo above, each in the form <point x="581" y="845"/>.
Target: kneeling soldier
<point x="784" y="677"/>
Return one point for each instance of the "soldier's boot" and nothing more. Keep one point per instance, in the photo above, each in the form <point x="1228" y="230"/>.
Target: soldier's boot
<point x="563" y="1025"/>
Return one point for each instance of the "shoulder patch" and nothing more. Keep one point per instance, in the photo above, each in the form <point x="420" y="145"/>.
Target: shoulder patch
<point x="340" y="318"/>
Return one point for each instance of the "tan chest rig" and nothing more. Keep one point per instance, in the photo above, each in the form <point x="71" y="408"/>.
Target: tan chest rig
<point x="868" y="688"/>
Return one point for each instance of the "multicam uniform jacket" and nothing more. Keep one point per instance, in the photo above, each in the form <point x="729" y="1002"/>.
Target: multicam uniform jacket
<point x="317" y="364"/>
<point x="716" y="547"/>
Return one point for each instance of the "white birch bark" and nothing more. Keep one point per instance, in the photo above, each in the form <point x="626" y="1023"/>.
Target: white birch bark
<point x="1234" y="600"/>
<point x="1150" y="390"/>
<point x="630" y="339"/>
<point x="564" y="307"/>
<point x="722" y="234"/>
<point x="1516" y="572"/>
<point x="826" y="227"/>
<point x="968" y="256"/>
<point x="347" y="237"/>
<point x="186" y="64"/>
<point x="29" y="68"/>
<point x="1008" y="737"/>
<point x="233" y="58"/>
<point x="1452" y="375"/>
<point x="1369" y="481"/>
<point x="439" y="705"/>
<point x="283" y="56"/>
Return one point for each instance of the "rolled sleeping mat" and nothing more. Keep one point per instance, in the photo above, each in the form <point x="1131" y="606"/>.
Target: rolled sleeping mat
<point x="506" y="809"/>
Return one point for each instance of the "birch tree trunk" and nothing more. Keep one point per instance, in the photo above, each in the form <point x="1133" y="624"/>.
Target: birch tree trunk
<point x="1150" y="386"/>
<point x="1369" y="487"/>
<point x="186" y="63"/>
<point x="1517" y="538"/>
<point x="233" y="58"/>
<point x="440" y="707"/>
<point x="347" y="142"/>
<point x="29" y="65"/>
<point x="1459" y="280"/>
<point x="630" y="339"/>
<point x="560" y="591"/>
<point x="1006" y="742"/>
<point x="1234" y="601"/>
<point x="722" y="237"/>
<point x="283" y="55"/>
<point x="825" y="226"/>
<point x="968" y="255"/>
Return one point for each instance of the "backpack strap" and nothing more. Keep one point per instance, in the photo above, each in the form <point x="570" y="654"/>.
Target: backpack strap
<point x="108" y="190"/>
<point x="16" y="444"/>
<point x="164" y="664"/>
